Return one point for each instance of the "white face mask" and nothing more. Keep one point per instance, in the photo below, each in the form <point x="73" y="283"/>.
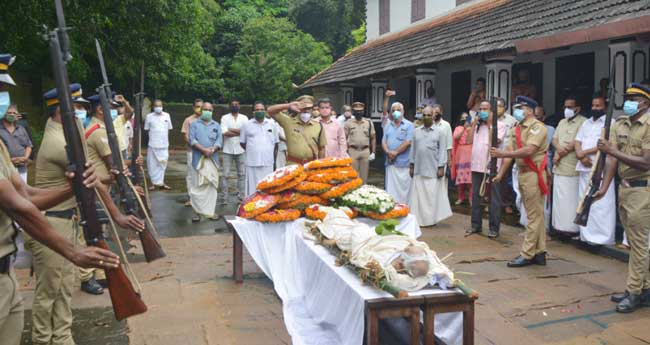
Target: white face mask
<point x="569" y="113"/>
<point x="157" y="110"/>
<point x="305" y="117"/>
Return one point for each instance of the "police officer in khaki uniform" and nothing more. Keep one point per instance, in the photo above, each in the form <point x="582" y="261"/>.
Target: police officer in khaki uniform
<point x="360" y="133"/>
<point x="23" y="205"/>
<point x="528" y="149"/>
<point x="628" y="150"/>
<point x="305" y="136"/>
<point x="51" y="311"/>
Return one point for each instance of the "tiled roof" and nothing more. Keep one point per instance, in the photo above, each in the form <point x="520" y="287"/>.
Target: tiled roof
<point x="480" y="27"/>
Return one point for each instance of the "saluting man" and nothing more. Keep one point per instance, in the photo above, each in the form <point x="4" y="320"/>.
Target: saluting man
<point x="629" y="151"/>
<point x="528" y="149"/>
<point x="362" y="141"/>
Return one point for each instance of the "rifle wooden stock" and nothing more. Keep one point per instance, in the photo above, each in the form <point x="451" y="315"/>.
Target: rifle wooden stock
<point x="126" y="302"/>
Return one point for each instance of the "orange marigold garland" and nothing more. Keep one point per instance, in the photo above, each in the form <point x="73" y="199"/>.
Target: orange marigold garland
<point x="312" y="188"/>
<point x="342" y="189"/>
<point x="280" y="177"/>
<point x="278" y="216"/>
<point x="329" y="162"/>
<point x="302" y="201"/>
<point x="399" y="211"/>
<point x="318" y="212"/>
<point x="292" y="183"/>
<point x="287" y="196"/>
<point x="334" y="176"/>
<point x="256" y="204"/>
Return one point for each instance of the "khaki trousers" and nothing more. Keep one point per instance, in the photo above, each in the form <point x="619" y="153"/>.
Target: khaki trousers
<point x="360" y="162"/>
<point x="533" y="199"/>
<point x="86" y="274"/>
<point x="634" y="210"/>
<point x="11" y="310"/>
<point x="51" y="311"/>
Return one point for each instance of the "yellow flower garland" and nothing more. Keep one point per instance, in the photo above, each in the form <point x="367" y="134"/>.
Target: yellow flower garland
<point x="280" y="177"/>
<point x="312" y="188"/>
<point x="334" y="176"/>
<point x="302" y="201"/>
<point x="399" y="211"/>
<point x="342" y="189"/>
<point x="290" y="184"/>
<point x="315" y="212"/>
<point x="278" y="216"/>
<point x="329" y="162"/>
<point x="257" y="204"/>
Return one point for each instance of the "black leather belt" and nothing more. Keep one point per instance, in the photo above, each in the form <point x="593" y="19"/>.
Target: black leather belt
<point x="65" y="214"/>
<point x="5" y="264"/>
<point x="635" y="183"/>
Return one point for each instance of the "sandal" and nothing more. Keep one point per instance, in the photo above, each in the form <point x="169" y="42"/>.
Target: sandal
<point x="196" y="218"/>
<point x="165" y="187"/>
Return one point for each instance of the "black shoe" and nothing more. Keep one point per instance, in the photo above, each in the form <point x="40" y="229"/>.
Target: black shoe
<point x="473" y="231"/>
<point x="196" y="218"/>
<point x="92" y="287"/>
<point x="493" y="234"/>
<point x="631" y="303"/>
<point x="539" y="259"/>
<point x="619" y="298"/>
<point x="645" y="298"/>
<point x="103" y="283"/>
<point x="520" y="261"/>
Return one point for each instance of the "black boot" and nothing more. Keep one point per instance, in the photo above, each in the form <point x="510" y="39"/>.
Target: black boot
<point x="493" y="234"/>
<point x="619" y="298"/>
<point x="540" y="259"/>
<point x="631" y="303"/>
<point x="520" y="261"/>
<point x="645" y="298"/>
<point x="92" y="287"/>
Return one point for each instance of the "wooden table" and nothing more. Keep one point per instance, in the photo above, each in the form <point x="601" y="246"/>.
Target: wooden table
<point x="237" y="253"/>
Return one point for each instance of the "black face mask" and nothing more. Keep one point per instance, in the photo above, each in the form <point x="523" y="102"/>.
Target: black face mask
<point x="234" y="109"/>
<point x="597" y="113"/>
<point x="358" y="115"/>
<point x="438" y="116"/>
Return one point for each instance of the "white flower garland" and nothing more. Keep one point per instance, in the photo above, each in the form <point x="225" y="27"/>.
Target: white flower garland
<point x="369" y="198"/>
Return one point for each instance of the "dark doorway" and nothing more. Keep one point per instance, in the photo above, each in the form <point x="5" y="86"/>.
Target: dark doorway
<point x="461" y="86"/>
<point x="574" y="75"/>
<point x="535" y="77"/>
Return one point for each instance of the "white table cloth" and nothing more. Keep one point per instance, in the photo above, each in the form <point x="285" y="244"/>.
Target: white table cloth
<point x="323" y="304"/>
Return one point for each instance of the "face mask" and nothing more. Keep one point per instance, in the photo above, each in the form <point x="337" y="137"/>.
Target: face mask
<point x="358" y="115"/>
<point x="483" y="115"/>
<point x="10" y="118"/>
<point x="305" y="117"/>
<point x="518" y="114"/>
<point x="81" y="114"/>
<point x="206" y="115"/>
<point x="418" y="115"/>
<point x="438" y="117"/>
<point x="86" y="121"/>
<point x="234" y="109"/>
<point x="113" y="114"/>
<point x="347" y="114"/>
<point x="569" y="113"/>
<point x="157" y="110"/>
<point x="427" y="121"/>
<point x="595" y="114"/>
<point x="397" y="115"/>
<point x="4" y="103"/>
<point x="630" y="108"/>
<point x="260" y="115"/>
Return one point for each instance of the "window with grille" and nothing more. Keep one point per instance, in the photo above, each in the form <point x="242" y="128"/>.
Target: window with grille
<point x="384" y="16"/>
<point x="417" y="10"/>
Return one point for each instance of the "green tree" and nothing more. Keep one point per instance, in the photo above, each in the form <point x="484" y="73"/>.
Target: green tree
<point x="273" y="57"/>
<point x="267" y="8"/>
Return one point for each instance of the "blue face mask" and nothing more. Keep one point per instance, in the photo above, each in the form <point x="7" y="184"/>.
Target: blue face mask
<point x="518" y="114"/>
<point x="5" y="101"/>
<point x="630" y="108"/>
<point x="483" y="115"/>
<point x="397" y="115"/>
<point x="86" y="121"/>
<point x="81" y="114"/>
<point x="113" y="114"/>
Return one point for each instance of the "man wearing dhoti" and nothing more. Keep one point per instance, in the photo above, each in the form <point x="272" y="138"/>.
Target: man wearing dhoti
<point x="158" y="124"/>
<point x="398" y="135"/>
<point x="428" y="159"/>
<point x="565" y="176"/>
<point x="601" y="225"/>
<point x="258" y="137"/>
<point x="206" y="140"/>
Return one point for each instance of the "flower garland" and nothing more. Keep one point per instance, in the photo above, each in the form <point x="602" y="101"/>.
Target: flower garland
<point x="369" y="199"/>
<point x="339" y="175"/>
<point x="280" y="176"/>
<point x="399" y="211"/>
<point x="303" y="201"/>
<point x="312" y="188"/>
<point x="329" y="162"/>
<point x="290" y="184"/>
<point x="342" y="189"/>
<point x="278" y="216"/>
<point x="256" y="204"/>
<point x="319" y="212"/>
<point x="287" y="196"/>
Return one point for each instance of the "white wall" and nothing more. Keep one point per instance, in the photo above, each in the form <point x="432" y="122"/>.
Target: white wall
<point x="436" y="7"/>
<point x="400" y="14"/>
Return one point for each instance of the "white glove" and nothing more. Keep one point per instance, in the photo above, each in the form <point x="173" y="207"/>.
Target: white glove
<point x="371" y="157"/>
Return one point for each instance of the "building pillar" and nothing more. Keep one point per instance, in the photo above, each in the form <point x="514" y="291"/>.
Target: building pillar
<point x="424" y="79"/>
<point x="376" y="107"/>
<point x="631" y="61"/>
<point x="347" y="91"/>
<point x="499" y="79"/>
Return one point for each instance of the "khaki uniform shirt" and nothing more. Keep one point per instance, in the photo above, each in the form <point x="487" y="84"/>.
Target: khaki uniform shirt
<point x="566" y="132"/>
<point x="533" y="132"/>
<point x="7" y="231"/>
<point x="631" y="138"/>
<point x="359" y="133"/>
<point x="97" y="144"/>
<point x="118" y="124"/>
<point x="303" y="139"/>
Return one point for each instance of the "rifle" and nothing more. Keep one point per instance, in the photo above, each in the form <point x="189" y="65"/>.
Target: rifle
<point x="136" y="176"/>
<point x="596" y="177"/>
<point x="126" y="302"/>
<point x="150" y="245"/>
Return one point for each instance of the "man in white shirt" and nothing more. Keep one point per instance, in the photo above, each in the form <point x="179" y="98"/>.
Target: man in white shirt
<point x="258" y="137"/>
<point x="158" y="124"/>
<point x="345" y="115"/>
<point x="233" y="153"/>
<point x="601" y="225"/>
